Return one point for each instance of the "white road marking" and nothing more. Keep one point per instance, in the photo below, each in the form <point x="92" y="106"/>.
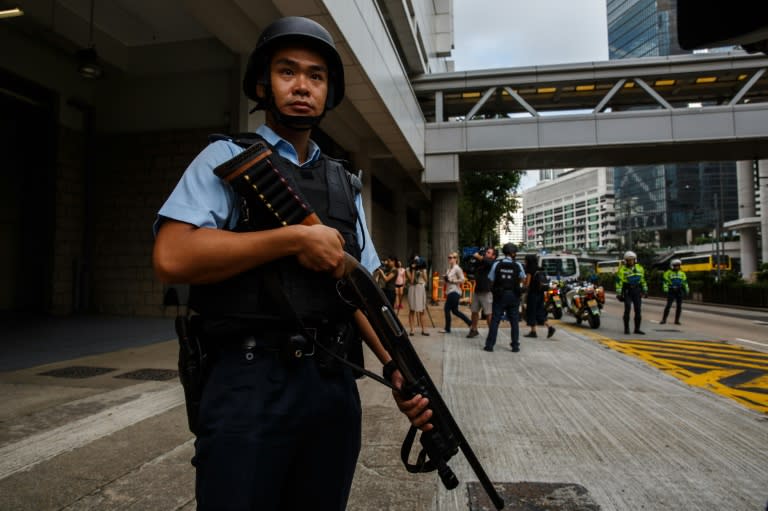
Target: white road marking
<point x="32" y="450"/>
<point x="751" y="342"/>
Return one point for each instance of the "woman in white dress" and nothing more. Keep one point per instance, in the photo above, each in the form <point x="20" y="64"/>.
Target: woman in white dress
<point x="417" y="295"/>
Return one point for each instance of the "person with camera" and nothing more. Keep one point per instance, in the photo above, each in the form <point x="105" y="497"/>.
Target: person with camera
<point x="482" y="298"/>
<point x="278" y="424"/>
<point x="386" y="275"/>
<point x="417" y="293"/>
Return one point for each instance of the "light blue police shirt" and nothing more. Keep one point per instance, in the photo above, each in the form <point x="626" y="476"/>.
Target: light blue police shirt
<point x="202" y="199"/>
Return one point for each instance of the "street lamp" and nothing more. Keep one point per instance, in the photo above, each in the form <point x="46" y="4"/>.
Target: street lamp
<point x="719" y="247"/>
<point x="629" y="208"/>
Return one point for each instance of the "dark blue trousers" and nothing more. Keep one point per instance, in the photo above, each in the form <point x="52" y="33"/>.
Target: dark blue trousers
<point x="633" y="297"/>
<point x="275" y="436"/>
<point x="674" y="296"/>
<point x="508" y="302"/>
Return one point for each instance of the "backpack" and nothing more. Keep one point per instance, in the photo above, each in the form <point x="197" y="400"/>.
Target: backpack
<point x="539" y="281"/>
<point x="507" y="277"/>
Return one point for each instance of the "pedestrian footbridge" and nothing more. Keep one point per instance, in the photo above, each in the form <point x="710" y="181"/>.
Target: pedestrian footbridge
<point x="634" y="111"/>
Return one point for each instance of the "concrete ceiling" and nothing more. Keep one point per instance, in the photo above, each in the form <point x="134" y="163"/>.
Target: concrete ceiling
<point x="144" y="36"/>
<point x="152" y="37"/>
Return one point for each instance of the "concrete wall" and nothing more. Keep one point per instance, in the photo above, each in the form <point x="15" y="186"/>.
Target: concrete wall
<point x="128" y="191"/>
<point x="145" y="131"/>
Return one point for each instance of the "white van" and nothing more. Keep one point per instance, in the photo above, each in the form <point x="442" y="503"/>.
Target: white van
<point x="563" y="267"/>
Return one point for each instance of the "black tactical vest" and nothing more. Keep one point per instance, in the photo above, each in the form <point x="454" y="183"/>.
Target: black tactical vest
<point x="507" y="277"/>
<point x="243" y="299"/>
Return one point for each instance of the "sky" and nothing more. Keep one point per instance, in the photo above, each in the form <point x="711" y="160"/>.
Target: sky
<point x="515" y="33"/>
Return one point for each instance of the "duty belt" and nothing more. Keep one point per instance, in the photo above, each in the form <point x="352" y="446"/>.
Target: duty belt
<point x="286" y="345"/>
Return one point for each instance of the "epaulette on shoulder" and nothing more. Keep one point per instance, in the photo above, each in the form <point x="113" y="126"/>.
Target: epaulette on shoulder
<point x="355" y="178"/>
<point x="215" y="137"/>
<point x="244" y="140"/>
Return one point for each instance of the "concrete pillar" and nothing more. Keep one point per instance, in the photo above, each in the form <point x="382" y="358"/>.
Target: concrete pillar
<point x="745" y="184"/>
<point x="401" y="227"/>
<point x="242" y="120"/>
<point x="762" y="172"/>
<point x="445" y="227"/>
<point x="424" y="223"/>
<point x="362" y="161"/>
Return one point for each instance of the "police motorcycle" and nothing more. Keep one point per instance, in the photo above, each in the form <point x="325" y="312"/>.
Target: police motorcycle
<point x="553" y="302"/>
<point x="584" y="302"/>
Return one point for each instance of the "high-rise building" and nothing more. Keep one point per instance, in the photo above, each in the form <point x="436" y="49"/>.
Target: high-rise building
<point x="642" y="28"/>
<point x="666" y="204"/>
<point x="514" y="231"/>
<point x="574" y="211"/>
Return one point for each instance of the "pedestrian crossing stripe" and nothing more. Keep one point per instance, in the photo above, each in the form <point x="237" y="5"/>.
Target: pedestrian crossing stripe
<point x="729" y="370"/>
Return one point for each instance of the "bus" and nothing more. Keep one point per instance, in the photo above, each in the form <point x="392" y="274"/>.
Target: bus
<point x="603" y="267"/>
<point x="705" y="263"/>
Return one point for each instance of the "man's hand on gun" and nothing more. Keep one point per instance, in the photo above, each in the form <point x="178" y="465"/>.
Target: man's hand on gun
<point x="416" y="409"/>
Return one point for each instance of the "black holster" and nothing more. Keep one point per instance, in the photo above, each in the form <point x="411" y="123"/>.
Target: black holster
<point x="337" y="346"/>
<point x="194" y="365"/>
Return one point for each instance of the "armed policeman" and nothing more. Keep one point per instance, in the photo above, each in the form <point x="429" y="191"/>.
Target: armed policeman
<point x="674" y="283"/>
<point x="631" y="288"/>
<point x="279" y="423"/>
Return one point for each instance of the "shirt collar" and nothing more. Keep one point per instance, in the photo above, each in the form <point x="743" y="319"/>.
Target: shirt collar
<point x="286" y="149"/>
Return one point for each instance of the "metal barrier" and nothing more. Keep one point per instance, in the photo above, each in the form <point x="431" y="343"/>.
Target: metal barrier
<point x="438" y="291"/>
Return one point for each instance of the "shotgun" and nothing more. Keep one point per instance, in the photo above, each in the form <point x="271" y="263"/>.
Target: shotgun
<point x="253" y="176"/>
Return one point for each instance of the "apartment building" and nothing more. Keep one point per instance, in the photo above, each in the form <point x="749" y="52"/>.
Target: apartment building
<point x="574" y="211"/>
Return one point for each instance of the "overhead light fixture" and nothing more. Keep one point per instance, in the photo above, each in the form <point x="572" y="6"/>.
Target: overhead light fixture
<point x="11" y="13"/>
<point x="88" y="64"/>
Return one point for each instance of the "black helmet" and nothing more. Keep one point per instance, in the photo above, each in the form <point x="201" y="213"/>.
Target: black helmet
<point x="509" y="249"/>
<point x="288" y="30"/>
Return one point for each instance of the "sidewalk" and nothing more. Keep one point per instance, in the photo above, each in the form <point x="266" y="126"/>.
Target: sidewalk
<point x="564" y="410"/>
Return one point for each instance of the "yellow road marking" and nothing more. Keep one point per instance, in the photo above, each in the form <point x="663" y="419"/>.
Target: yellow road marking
<point x="653" y="352"/>
<point x="692" y="361"/>
<point x="761" y="382"/>
<point x="719" y="348"/>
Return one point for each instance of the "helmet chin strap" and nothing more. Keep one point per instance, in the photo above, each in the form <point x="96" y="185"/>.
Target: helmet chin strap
<point x="295" y="122"/>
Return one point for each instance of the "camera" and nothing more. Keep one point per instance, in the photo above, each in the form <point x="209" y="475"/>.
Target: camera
<point x="419" y="263"/>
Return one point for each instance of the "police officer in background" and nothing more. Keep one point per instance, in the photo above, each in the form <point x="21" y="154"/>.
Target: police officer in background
<point x="506" y="278"/>
<point x="675" y="285"/>
<point x="631" y="288"/>
<point x="277" y="429"/>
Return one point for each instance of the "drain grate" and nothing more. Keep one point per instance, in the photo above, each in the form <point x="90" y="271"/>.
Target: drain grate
<point x="77" y="372"/>
<point x="525" y="496"/>
<point x="150" y="374"/>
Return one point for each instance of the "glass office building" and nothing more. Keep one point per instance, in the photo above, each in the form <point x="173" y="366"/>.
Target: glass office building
<point x="670" y="203"/>
<point x="642" y="28"/>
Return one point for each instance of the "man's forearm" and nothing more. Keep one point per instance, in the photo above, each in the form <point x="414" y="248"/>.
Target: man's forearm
<point x="371" y="339"/>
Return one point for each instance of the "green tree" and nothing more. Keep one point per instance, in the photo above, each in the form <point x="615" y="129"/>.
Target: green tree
<point x="486" y="199"/>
